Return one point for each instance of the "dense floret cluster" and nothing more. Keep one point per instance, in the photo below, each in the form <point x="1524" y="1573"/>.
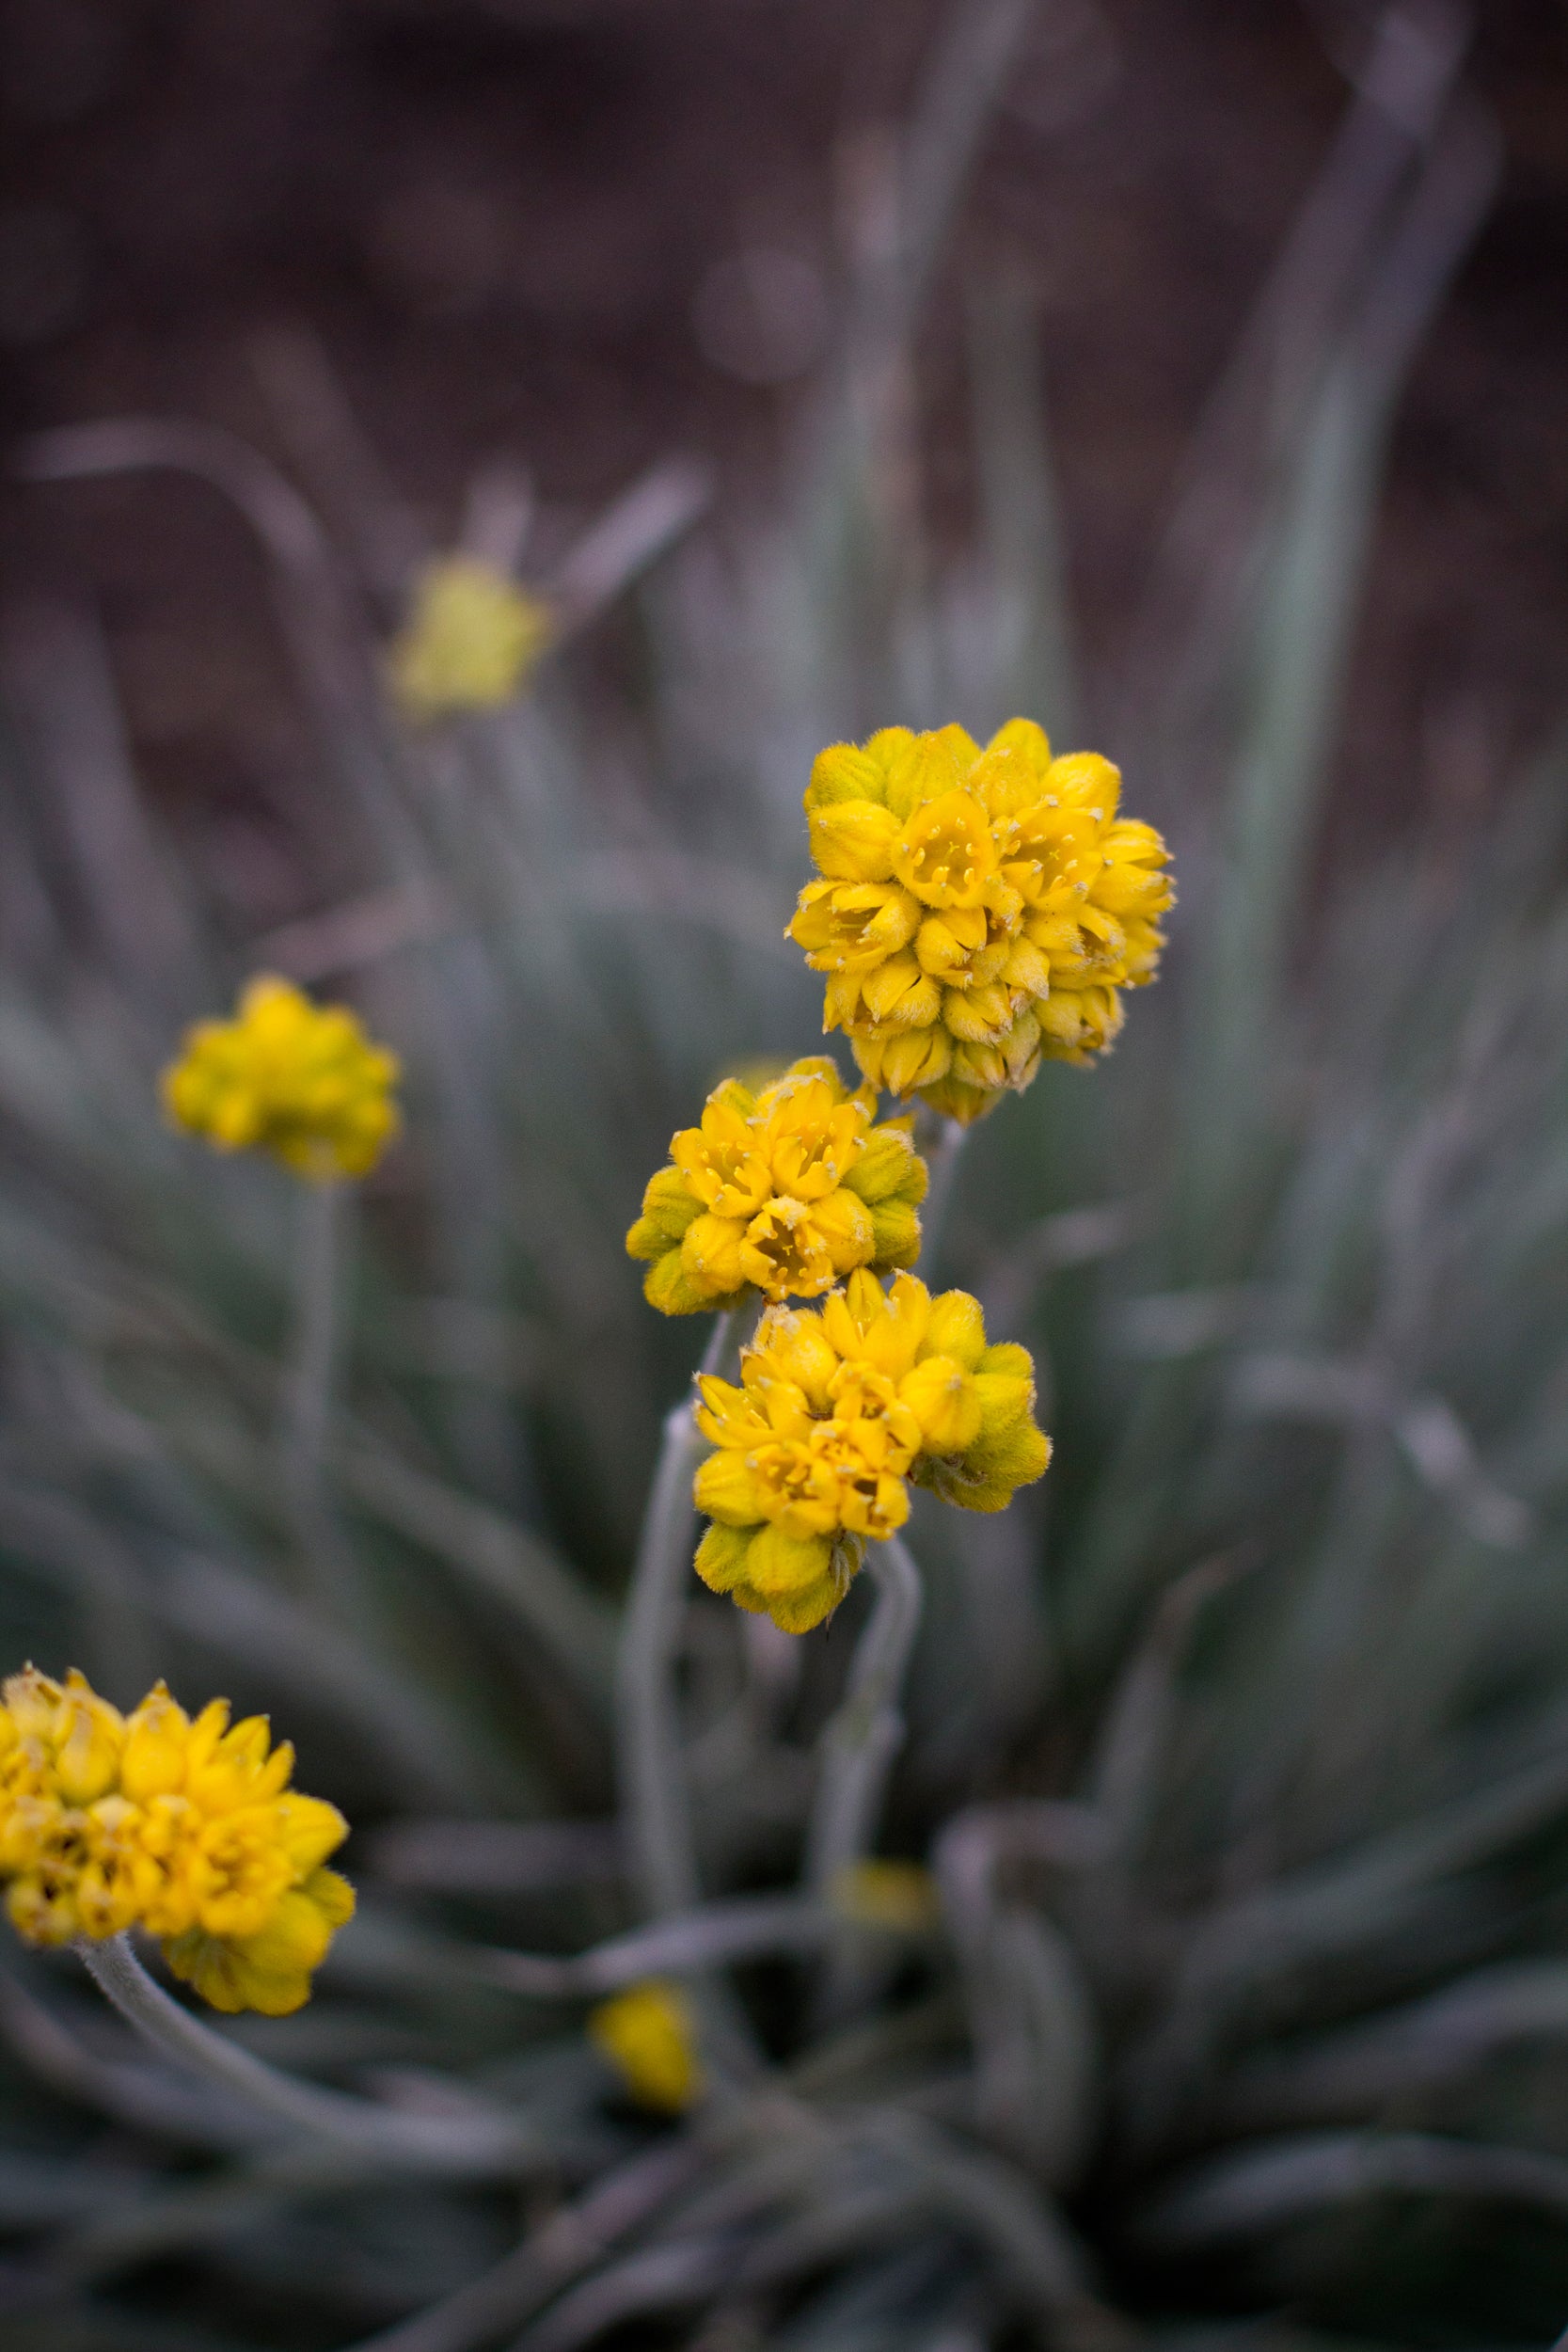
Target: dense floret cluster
<point x="976" y="911"/>
<point x="837" y="1411"/>
<point x="300" y="1081"/>
<point x="187" y="1829"/>
<point x="785" y="1190"/>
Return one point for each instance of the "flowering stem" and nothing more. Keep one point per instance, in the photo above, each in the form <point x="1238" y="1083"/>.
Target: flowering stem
<point x="653" y="1792"/>
<point x="307" y="1403"/>
<point x="863" y="1739"/>
<point x="480" y="2144"/>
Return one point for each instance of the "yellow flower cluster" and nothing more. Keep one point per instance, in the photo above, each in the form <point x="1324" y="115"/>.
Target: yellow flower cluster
<point x="786" y="1190"/>
<point x="470" y="640"/>
<point x="648" y="2035"/>
<point x="977" y="910"/>
<point x="298" y="1080"/>
<point x="838" y="1409"/>
<point x="188" y="1830"/>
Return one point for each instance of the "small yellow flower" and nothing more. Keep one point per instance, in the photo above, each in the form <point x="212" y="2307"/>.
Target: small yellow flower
<point x="785" y="1190"/>
<point x="187" y="1829"/>
<point x="648" y="2035"/>
<point x="298" y="1080"/>
<point x="838" y="1409"/>
<point x="898" y="1896"/>
<point x="977" y="911"/>
<point x="472" y="638"/>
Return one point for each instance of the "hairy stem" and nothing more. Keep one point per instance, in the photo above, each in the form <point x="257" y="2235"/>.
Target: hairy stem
<point x="306" y="1400"/>
<point x="863" y="1739"/>
<point x="652" y="1789"/>
<point x="481" y="2144"/>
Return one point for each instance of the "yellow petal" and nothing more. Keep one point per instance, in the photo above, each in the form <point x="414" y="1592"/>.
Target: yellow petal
<point x="944" y="1399"/>
<point x="852" y="841"/>
<point x="711" y="1253"/>
<point x="780" y="1565"/>
<point x="727" y="1490"/>
<point x="721" y="1560"/>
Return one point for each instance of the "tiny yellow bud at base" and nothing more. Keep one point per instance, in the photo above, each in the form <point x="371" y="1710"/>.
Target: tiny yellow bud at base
<point x="649" y="2037"/>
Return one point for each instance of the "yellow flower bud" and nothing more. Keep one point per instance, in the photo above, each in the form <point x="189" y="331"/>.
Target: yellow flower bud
<point x="943" y="1400"/>
<point x="649" y="2037"/>
<point x="852" y="841"/>
<point x="299" y="1081"/>
<point x="157" y="1737"/>
<point x="761" y="1195"/>
<point x="839" y="1410"/>
<point x="470" y="641"/>
<point x="899" y="1895"/>
<point x="1021" y="906"/>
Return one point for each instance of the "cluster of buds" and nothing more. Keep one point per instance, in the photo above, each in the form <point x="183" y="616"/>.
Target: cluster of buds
<point x="838" y="1410"/>
<point x="188" y="1830"/>
<point x="785" y="1191"/>
<point x="976" y="911"/>
<point x="299" y="1081"/>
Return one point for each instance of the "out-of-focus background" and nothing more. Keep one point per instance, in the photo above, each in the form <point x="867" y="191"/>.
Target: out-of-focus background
<point x="1187" y="375"/>
<point x="585" y="233"/>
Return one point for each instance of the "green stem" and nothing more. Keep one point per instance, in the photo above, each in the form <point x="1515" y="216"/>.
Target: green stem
<point x="652" y="1789"/>
<point x="483" y="2145"/>
<point x="308" y="1392"/>
<point x="305" y="1419"/>
<point x="863" y="1739"/>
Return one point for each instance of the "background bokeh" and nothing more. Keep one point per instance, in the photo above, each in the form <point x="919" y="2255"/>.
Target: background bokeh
<point x="586" y="232"/>
<point x="1189" y="375"/>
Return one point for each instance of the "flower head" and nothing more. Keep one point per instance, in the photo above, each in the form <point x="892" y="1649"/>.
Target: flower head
<point x="188" y="1830"/>
<point x="786" y="1190"/>
<point x="976" y="911"/>
<point x="470" y="640"/>
<point x="648" y="2035"/>
<point x="900" y="1897"/>
<point x="837" y="1410"/>
<point x="299" y="1080"/>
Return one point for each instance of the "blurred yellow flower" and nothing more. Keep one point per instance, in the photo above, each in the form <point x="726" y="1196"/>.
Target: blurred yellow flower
<point x="837" y="1410"/>
<point x="977" y="911"/>
<point x="648" y="2035"/>
<point x="470" y="640"/>
<point x="298" y="1080"/>
<point x="785" y="1190"/>
<point x="898" y="1896"/>
<point x="188" y="1830"/>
